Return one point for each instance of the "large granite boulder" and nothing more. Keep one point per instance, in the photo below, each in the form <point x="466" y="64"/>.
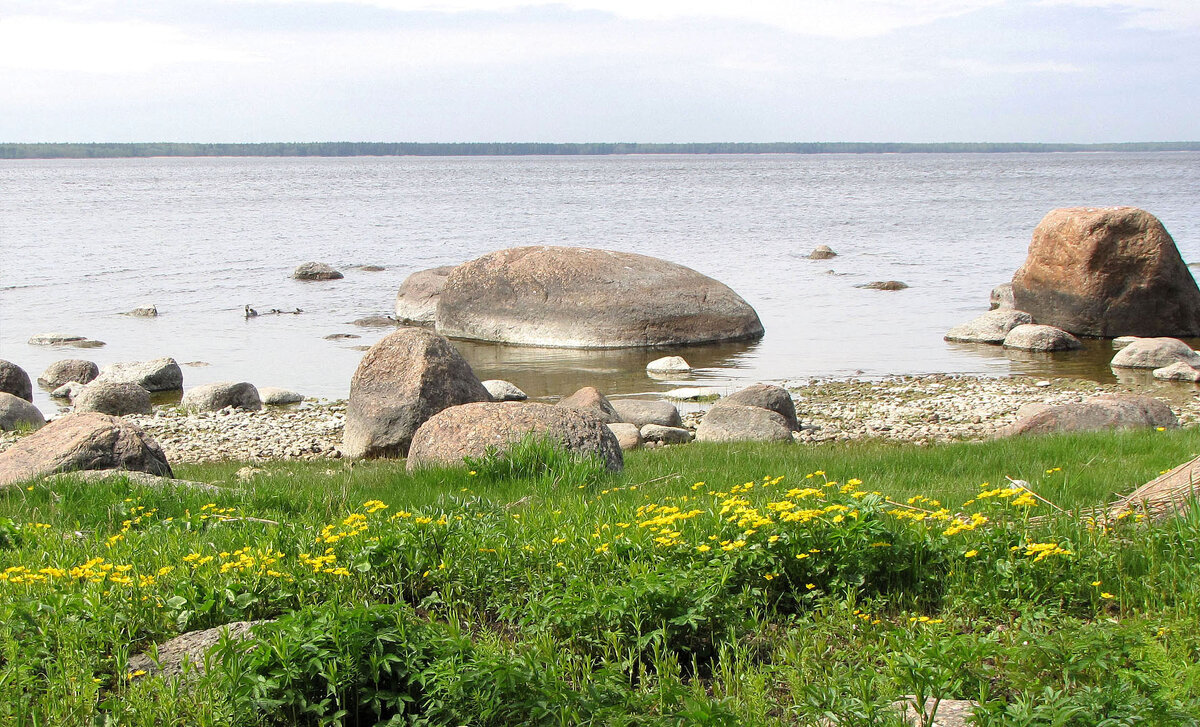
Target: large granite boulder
<point x="14" y="380"/>
<point x="471" y="430"/>
<point x="417" y="298"/>
<point x="643" y="411"/>
<point x="66" y="371"/>
<point x="991" y="327"/>
<point x="1106" y="272"/>
<point x="160" y="374"/>
<point x="1154" y="353"/>
<point x="1107" y="411"/>
<point x="590" y="399"/>
<point x="765" y="396"/>
<point x="83" y="442"/>
<point x="17" y="413"/>
<point x="401" y="382"/>
<point x="585" y="298"/>
<point x="1036" y="337"/>
<point x="738" y="423"/>
<point x="220" y="394"/>
<point x="316" y="271"/>
<point x="112" y="397"/>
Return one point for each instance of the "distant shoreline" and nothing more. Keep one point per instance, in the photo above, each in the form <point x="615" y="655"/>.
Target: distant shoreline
<point x="417" y="149"/>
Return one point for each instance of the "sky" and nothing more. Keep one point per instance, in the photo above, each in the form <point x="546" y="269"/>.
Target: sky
<point x="599" y="70"/>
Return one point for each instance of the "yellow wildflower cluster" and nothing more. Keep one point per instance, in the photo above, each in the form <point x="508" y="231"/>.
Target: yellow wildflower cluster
<point x="1019" y="496"/>
<point x="245" y="560"/>
<point x="1040" y="551"/>
<point x="965" y="525"/>
<point x="325" y="563"/>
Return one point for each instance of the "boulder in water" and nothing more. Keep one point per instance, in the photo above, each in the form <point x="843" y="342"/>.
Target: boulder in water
<point x="316" y="271"/>
<point x="1035" y="337"/>
<point x="991" y="327"/>
<point x="668" y="365"/>
<point x="822" y="252"/>
<point x="66" y="371"/>
<point x="160" y="374"/>
<point x="115" y="398"/>
<point x="568" y="297"/>
<point x="417" y="298"/>
<point x="1178" y="371"/>
<point x="1154" y="353"/>
<point x="1105" y="272"/>
<point x="502" y="390"/>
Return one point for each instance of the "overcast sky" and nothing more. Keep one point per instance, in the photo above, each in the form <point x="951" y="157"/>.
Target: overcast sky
<point x="600" y="70"/>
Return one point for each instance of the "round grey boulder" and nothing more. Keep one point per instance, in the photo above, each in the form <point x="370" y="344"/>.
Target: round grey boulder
<point x="474" y="430"/>
<point x="274" y="396"/>
<point x="665" y="435"/>
<point x="1155" y="353"/>
<point x="641" y="412"/>
<point x="400" y="383"/>
<point x="568" y="297"/>
<point x="14" y="380"/>
<point x="668" y="365"/>
<point x="822" y="252"/>
<point x="1107" y="411"/>
<point x="1034" y="337"/>
<point x="16" y="413"/>
<point x="502" y="390"/>
<point x="66" y="371"/>
<point x="218" y="395"/>
<point x="417" y="298"/>
<point x="1178" y="371"/>
<point x="113" y="398"/>
<point x="160" y="374"/>
<point x="316" y="271"/>
<point x="89" y="441"/>
<point x="738" y="423"/>
<point x="766" y="396"/>
<point x="628" y="436"/>
<point x="589" y="399"/>
<point x="991" y="327"/>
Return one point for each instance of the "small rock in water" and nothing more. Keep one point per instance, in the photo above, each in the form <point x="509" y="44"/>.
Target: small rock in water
<point x="502" y="390"/>
<point x="377" y="321"/>
<point x="822" y="252"/>
<point x="64" y="339"/>
<point x="1122" y="341"/>
<point x="883" y="285"/>
<point x="1177" y="371"/>
<point x="371" y="268"/>
<point x="693" y="393"/>
<point x="67" y="391"/>
<point x="316" y="271"/>
<point x="66" y="371"/>
<point x="197" y="364"/>
<point x="668" y="365"/>
<point x="146" y="311"/>
<point x="340" y="336"/>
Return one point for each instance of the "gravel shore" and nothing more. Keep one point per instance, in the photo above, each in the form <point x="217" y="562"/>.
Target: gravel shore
<point x="921" y="409"/>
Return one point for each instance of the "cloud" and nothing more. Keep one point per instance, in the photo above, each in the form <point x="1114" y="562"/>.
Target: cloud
<point x="1161" y="15"/>
<point x="31" y="43"/>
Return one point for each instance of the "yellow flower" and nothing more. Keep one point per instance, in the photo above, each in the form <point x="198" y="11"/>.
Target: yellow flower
<point x="1096" y="583"/>
<point x="810" y="586"/>
<point x="970" y="553"/>
<point x="703" y="548"/>
<point x="1106" y="595"/>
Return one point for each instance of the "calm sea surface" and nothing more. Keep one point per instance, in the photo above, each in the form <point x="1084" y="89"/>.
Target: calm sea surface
<point x="82" y="241"/>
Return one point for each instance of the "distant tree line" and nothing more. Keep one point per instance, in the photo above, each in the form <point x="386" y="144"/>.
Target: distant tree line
<point x="356" y="148"/>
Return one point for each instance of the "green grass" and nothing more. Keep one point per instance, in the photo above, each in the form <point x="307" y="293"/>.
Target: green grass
<point x="707" y="584"/>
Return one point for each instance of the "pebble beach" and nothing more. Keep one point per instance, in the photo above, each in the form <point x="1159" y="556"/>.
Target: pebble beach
<point x="914" y="409"/>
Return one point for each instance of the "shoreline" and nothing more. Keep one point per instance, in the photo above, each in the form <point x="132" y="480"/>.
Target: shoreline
<point x="917" y="409"/>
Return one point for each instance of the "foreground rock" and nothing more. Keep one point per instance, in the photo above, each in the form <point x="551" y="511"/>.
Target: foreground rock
<point x="641" y="412"/>
<point x="471" y="430"/>
<point x="501" y="390"/>
<point x="766" y="396"/>
<point x="221" y="394"/>
<point x="400" y="383"/>
<point x="1034" y="337"/>
<point x="82" y="442"/>
<point x="66" y="371"/>
<point x="275" y="396"/>
<point x="188" y="649"/>
<point x="1128" y="411"/>
<point x="160" y="374"/>
<point x="417" y="298"/>
<point x="112" y="398"/>
<point x="1155" y="353"/>
<point x="14" y="380"/>
<point x="822" y="252"/>
<point x="17" y="413"/>
<point x="586" y="298"/>
<point x="738" y="423"/>
<point x="316" y="271"/>
<point x="628" y="436"/>
<point x="991" y="327"/>
<point x="1177" y="371"/>
<point x="1106" y="272"/>
<point x="589" y="399"/>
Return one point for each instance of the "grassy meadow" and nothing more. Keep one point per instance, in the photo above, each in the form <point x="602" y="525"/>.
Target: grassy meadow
<point x="703" y="585"/>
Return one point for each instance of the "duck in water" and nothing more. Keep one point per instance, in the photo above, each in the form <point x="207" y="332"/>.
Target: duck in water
<point x="250" y="312"/>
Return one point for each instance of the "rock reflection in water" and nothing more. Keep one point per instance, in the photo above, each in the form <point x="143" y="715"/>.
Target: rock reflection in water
<point x="556" y="372"/>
